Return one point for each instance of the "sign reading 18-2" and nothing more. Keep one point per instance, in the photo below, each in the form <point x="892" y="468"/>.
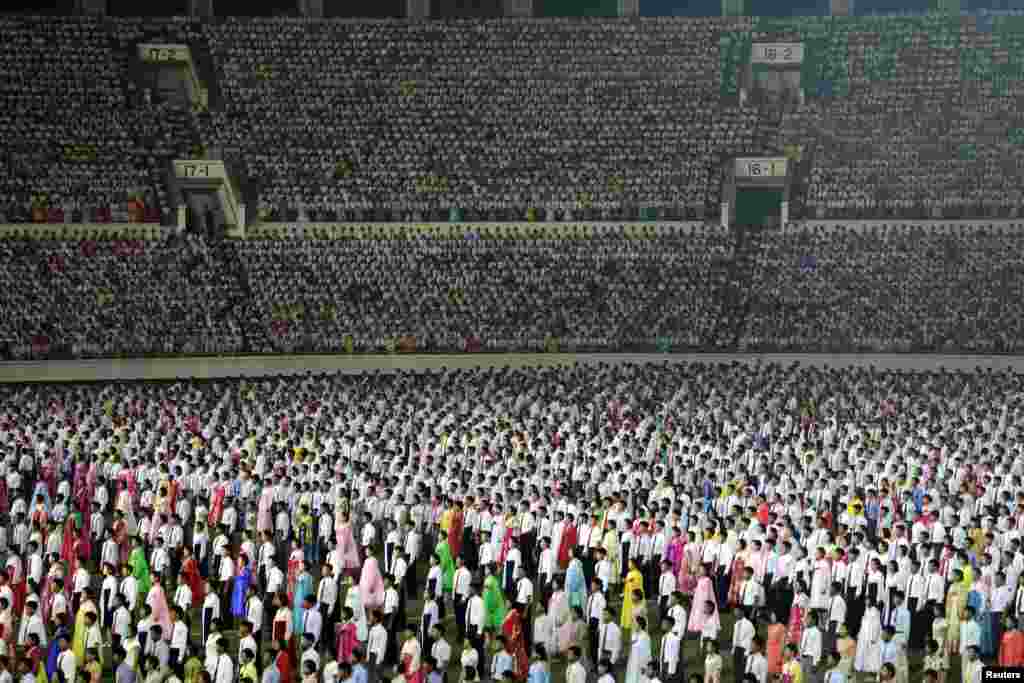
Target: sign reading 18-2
<point x="777" y="53"/>
<point x="153" y="53"/>
<point x="765" y="167"/>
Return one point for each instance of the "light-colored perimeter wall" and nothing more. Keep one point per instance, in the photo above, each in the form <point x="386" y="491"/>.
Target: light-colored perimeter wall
<point x="255" y="366"/>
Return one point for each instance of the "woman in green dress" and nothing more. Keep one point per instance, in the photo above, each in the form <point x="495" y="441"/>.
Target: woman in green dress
<point x="444" y="557"/>
<point x="494" y="604"/>
<point x="140" y="567"/>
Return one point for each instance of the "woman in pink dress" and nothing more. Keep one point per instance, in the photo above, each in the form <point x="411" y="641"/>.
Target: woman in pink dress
<point x="157" y="601"/>
<point x="295" y="562"/>
<point x="795" y="627"/>
<point x="704" y="593"/>
<point x="264" y="510"/>
<point x="371" y="585"/>
<point x="347" y="638"/>
<point x="688" y="569"/>
<point x="736" y="575"/>
<point x="347" y="548"/>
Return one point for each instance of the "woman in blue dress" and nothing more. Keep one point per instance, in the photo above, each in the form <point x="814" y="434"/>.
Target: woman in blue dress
<point x="982" y="615"/>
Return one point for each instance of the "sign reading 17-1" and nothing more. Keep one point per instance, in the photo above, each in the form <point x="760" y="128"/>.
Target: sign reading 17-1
<point x="777" y="53"/>
<point x="198" y="170"/>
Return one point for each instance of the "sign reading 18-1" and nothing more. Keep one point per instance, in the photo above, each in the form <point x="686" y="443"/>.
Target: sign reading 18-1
<point x="777" y="53"/>
<point x="765" y="167"/>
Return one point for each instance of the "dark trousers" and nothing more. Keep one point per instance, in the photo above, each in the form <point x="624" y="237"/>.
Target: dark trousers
<point x="592" y="638"/>
<point x="460" y="615"/>
<point x="739" y="663"/>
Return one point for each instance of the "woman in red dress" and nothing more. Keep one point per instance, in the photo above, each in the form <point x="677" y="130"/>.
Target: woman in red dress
<point x="191" y="576"/>
<point x="512" y="628"/>
<point x="736" y="575"/>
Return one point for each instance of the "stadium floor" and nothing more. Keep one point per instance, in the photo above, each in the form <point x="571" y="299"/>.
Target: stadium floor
<point x="218" y="367"/>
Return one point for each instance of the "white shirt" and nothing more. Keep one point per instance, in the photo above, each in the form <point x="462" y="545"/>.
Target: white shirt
<point x="810" y="645"/>
<point x="66" y="663"/>
<point x="179" y="638"/>
<point x="312" y="623"/>
<point x="743" y="634"/>
<point x="378" y="643"/>
<point x="442" y="652"/>
<point x="609" y="639"/>
<point x="758" y="665"/>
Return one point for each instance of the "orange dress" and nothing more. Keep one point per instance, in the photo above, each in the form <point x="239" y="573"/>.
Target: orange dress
<point x="774" y="644"/>
<point x="1011" y="649"/>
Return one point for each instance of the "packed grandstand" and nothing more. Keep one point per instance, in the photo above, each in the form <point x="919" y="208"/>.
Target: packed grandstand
<point x="553" y="184"/>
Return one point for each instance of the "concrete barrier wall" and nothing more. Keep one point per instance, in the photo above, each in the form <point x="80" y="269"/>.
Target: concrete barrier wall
<point x="256" y="366"/>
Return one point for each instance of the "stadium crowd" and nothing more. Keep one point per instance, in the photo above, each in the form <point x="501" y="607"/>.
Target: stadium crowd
<point x="598" y="292"/>
<point x="918" y="287"/>
<point x="899" y="287"/>
<point x="421" y="118"/>
<point x="504" y="119"/>
<point x="106" y="297"/>
<point x="633" y="523"/>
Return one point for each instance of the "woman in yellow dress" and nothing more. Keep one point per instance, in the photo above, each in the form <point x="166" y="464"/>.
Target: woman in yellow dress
<point x="956" y="599"/>
<point x="634" y="582"/>
<point x="610" y="543"/>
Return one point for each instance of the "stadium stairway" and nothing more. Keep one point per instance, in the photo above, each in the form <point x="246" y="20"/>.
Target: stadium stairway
<point x="735" y="299"/>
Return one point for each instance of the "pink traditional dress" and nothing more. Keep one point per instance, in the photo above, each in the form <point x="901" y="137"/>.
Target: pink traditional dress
<point x="795" y="627"/>
<point x="704" y="592"/>
<point x="347" y="549"/>
<point x="736" y="576"/>
<point x="412" y="665"/>
<point x="295" y="561"/>
<point x="217" y="505"/>
<point x="348" y="641"/>
<point x="687" y="571"/>
<point x="264" y="510"/>
<point x="371" y="585"/>
<point x="674" y="553"/>
<point x="157" y="600"/>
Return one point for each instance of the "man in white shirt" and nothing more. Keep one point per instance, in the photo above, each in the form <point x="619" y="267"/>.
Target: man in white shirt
<point x="245" y="639"/>
<point x="223" y="668"/>
<point x="757" y="663"/>
<point x="179" y="640"/>
<point x="312" y="620"/>
<point x="327" y="597"/>
<point x="742" y="637"/>
<point x="575" y="672"/>
<point x="67" y="667"/>
<point x="475" y="616"/>
<point x="31" y="622"/>
<point x="609" y="639"/>
<point x="377" y="644"/>
<point x="461" y="592"/>
<point x="668" y="654"/>
<point x="810" y="649"/>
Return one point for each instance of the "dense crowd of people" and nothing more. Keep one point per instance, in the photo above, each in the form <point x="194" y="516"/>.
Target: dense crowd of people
<point x="601" y="292"/>
<point x="659" y="523"/>
<point x="498" y="119"/>
<point x="108" y="297"/>
<point x="898" y="287"/>
<point x="338" y="116"/>
<point x="918" y="287"/>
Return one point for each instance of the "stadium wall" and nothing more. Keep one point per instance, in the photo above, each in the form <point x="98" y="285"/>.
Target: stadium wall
<point x="215" y="367"/>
